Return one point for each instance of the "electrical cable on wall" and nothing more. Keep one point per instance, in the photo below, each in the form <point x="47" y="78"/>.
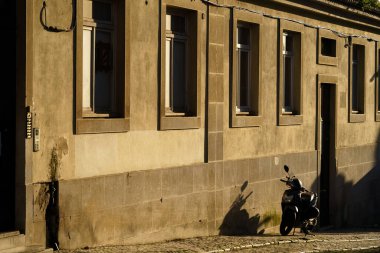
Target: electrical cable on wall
<point x="44" y="23"/>
<point x="347" y="37"/>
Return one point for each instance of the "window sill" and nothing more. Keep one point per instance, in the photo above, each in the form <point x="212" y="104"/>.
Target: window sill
<point x="96" y="125"/>
<point x="377" y="117"/>
<point x="90" y="114"/>
<point x="178" y="123"/>
<point x="356" y="117"/>
<point x="327" y="60"/>
<point x="287" y="120"/>
<point x="286" y="112"/>
<point x="246" y="121"/>
<point x="242" y="113"/>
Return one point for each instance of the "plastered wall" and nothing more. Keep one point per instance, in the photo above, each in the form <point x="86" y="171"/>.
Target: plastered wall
<point x="143" y="147"/>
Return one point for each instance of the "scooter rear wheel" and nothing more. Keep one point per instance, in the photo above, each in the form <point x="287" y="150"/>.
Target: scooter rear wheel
<point x="287" y="222"/>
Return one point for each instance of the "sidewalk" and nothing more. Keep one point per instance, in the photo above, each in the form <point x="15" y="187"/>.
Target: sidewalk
<point x="334" y="241"/>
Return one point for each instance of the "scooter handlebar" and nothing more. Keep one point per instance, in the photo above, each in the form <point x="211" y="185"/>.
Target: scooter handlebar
<point x="283" y="180"/>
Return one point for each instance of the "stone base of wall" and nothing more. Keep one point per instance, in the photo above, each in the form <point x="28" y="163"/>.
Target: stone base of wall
<point x="231" y="197"/>
<point x="358" y="186"/>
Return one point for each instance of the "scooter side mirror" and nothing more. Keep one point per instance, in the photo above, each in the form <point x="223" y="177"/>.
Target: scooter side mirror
<point x="286" y="168"/>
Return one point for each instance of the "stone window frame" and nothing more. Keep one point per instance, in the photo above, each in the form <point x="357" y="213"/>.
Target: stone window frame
<point x="120" y="122"/>
<point x="296" y="117"/>
<point x="360" y="116"/>
<point x="328" y="60"/>
<point x="377" y="86"/>
<point x="253" y="118"/>
<point x="179" y="122"/>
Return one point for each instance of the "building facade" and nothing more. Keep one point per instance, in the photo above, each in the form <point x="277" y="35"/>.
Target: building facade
<point x="140" y="121"/>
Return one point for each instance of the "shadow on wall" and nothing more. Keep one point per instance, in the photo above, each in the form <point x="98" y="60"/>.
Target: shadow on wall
<point x="360" y="201"/>
<point x="357" y="193"/>
<point x="237" y="220"/>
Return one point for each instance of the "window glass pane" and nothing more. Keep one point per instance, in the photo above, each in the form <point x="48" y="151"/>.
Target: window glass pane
<point x="179" y="76"/>
<point x="167" y="72"/>
<point x="102" y="92"/>
<point x="238" y="78"/>
<point x="243" y="89"/>
<point x="357" y="76"/>
<point x="178" y="24"/>
<point x="103" y="72"/>
<point x="104" y="53"/>
<point x="243" y="35"/>
<point x="289" y="43"/>
<point x="355" y="50"/>
<point x="328" y="47"/>
<point x="378" y="80"/>
<point x="87" y="49"/>
<point x="354" y="88"/>
<point x="101" y="11"/>
<point x="288" y="81"/>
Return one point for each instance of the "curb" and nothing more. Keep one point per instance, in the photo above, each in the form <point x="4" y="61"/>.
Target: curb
<point x="258" y="245"/>
<point x="340" y="250"/>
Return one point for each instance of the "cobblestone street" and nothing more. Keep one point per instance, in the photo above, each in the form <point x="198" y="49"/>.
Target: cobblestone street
<point x="337" y="241"/>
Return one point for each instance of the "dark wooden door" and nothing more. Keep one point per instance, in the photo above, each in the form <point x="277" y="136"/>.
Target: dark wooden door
<point x="327" y="150"/>
<point x="7" y="113"/>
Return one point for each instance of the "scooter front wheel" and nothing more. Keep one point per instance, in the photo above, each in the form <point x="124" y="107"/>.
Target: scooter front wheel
<point x="287" y="222"/>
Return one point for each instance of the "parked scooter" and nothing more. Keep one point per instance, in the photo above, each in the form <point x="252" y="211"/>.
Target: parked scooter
<point x="298" y="206"/>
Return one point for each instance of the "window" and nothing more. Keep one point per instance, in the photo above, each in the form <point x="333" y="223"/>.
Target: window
<point x="175" y="64"/>
<point x="98" y="60"/>
<point x="290" y="74"/>
<point x="357" y="83"/>
<point x="327" y="48"/>
<point x="180" y="69"/>
<point x="243" y="48"/>
<point x="378" y="78"/>
<point x="246" y="71"/>
<point x="102" y="103"/>
<point x="244" y="62"/>
<point x="377" y="110"/>
<point x="357" y="80"/>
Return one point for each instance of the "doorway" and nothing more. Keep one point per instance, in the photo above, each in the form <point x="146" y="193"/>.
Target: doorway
<point x="327" y="130"/>
<point x="8" y="115"/>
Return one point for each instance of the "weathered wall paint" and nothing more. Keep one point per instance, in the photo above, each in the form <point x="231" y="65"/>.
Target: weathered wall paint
<point x="95" y="157"/>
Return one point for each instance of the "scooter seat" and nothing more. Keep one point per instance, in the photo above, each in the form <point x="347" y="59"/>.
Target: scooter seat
<point x="307" y="196"/>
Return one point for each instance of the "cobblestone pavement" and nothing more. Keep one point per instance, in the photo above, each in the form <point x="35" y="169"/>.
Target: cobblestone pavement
<point x="337" y="241"/>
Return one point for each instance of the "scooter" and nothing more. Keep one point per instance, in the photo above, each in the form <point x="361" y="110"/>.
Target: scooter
<point x="298" y="206"/>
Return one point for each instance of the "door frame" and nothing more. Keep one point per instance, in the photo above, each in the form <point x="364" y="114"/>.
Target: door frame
<point x="324" y="79"/>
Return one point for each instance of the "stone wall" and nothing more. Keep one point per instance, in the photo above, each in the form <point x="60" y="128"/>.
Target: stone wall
<point x="357" y="186"/>
<point x="232" y="197"/>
